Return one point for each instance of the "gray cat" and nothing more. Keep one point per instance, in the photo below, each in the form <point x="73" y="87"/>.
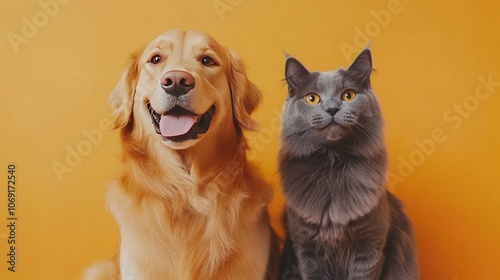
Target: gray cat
<point x="340" y="221"/>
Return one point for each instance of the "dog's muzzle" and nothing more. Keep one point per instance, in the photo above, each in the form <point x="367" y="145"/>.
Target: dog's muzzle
<point x="179" y="124"/>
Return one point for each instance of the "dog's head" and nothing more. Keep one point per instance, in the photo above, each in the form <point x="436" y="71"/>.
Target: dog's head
<point x="183" y="87"/>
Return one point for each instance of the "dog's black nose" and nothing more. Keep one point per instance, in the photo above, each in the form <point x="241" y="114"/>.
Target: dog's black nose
<point x="177" y="83"/>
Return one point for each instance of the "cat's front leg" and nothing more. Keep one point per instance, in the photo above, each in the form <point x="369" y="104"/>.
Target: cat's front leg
<point x="289" y="269"/>
<point x="314" y="262"/>
<point x="366" y="266"/>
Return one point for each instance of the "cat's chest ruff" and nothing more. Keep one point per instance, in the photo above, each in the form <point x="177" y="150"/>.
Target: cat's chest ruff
<point x="332" y="234"/>
<point x="330" y="161"/>
<point x="335" y="192"/>
<point x="319" y="228"/>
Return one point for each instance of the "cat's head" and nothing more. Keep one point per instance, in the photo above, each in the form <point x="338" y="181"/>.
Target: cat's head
<point x="331" y="109"/>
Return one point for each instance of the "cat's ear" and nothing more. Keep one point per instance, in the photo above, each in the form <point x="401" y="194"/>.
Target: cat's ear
<point x="361" y="68"/>
<point x="295" y="73"/>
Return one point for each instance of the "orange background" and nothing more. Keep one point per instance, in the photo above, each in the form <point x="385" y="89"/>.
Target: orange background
<point x="442" y="135"/>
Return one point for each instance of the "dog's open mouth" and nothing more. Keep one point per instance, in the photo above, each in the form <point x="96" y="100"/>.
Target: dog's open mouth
<point x="179" y="124"/>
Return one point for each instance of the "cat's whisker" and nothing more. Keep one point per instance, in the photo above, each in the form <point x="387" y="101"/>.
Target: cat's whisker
<point x="367" y="130"/>
<point x="283" y="83"/>
<point x="355" y="136"/>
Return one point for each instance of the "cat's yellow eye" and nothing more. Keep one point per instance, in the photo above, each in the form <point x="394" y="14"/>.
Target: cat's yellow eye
<point x="348" y="95"/>
<point x="312" y="98"/>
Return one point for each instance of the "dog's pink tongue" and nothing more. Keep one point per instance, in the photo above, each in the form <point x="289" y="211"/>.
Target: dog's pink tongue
<point x="175" y="125"/>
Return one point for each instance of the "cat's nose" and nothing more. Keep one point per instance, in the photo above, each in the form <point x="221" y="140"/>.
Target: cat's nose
<point x="332" y="111"/>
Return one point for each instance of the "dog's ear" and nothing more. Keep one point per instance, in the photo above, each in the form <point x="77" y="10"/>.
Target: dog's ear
<point x="245" y="94"/>
<point x="122" y="96"/>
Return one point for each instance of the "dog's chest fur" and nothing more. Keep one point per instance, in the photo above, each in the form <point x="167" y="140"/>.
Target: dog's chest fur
<point x="156" y="245"/>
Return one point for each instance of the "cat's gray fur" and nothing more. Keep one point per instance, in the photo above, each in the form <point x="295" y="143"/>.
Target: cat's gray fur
<point x="340" y="221"/>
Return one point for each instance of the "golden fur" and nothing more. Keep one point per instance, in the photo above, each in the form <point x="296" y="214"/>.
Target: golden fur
<point x="196" y="209"/>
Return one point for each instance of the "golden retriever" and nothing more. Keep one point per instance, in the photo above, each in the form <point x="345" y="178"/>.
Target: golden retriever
<point x="188" y="204"/>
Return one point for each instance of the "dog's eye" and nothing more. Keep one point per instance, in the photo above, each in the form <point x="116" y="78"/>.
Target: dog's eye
<point x="208" y="61"/>
<point x="155" y="59"/>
